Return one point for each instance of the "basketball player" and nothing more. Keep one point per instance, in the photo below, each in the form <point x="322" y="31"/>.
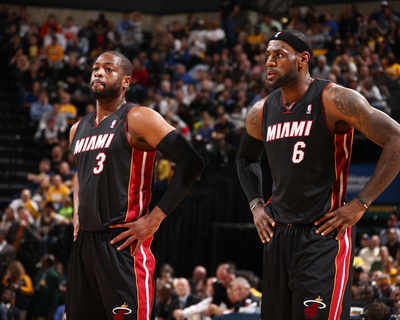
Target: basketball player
<point x="306" y="127"/>
<point x="111" y="270"/>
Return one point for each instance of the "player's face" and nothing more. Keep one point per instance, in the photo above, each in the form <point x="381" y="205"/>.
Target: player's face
<point x="281" y="64"/>
<point x="107" y="78"/>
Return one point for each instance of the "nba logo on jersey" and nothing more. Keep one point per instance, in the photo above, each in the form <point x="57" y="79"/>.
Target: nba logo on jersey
<point x="309" y="109"/>
<point x="120" y="312"/>
<point x="112" y="125"/>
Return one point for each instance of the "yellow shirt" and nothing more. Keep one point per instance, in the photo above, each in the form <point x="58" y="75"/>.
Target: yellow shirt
<point x="57" y="196"/>
<point x="70" y="111"/>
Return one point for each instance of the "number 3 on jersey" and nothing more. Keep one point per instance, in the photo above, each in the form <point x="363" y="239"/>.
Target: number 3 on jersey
<point x="101" y="157"/>
<point x="298" y="153"/>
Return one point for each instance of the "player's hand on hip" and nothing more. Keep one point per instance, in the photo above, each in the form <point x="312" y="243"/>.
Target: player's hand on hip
<point x="264" y="224"/>
<point x="341" y="219"/>
<point x="138" y="230"/>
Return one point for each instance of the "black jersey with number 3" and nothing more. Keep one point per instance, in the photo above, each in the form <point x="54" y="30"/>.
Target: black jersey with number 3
<point x="309" y="163"/>
<point x="114" y="183"/>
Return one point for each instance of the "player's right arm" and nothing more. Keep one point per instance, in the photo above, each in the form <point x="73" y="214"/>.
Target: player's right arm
<point x="249" y="170"/>
<point x="75" y="189"/>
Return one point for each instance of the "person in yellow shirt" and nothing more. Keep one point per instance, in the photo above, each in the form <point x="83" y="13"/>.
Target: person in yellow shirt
<point x="58" y="192"/>
<point x="54" y="52"/>
<point x="69" y="110"/>
<point x="21" y="287"/>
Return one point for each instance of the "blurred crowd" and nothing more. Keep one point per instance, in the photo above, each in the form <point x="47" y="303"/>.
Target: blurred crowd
<point x="202" y="76"/>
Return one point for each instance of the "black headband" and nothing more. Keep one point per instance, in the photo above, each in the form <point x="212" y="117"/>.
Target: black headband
<point x="294" y="41"/>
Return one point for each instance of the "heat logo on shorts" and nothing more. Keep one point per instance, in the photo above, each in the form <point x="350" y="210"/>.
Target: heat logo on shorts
<point x="312" y="306"/>
<point x="120" y="312"/>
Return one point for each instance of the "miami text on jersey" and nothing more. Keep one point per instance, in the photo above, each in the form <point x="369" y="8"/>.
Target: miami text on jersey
<point x="289" y="129"/>
<point x="96" y="142"/>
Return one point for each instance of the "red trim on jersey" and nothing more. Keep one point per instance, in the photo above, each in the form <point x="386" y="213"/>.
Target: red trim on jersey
<point x="144" y="266"/>
<point x="343" y="148"/>
<point x="140" y="183"/>
<point x="342" y="265"/>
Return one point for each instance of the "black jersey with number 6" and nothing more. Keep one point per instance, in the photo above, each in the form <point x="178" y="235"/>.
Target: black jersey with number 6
<point x="309" y="162"/>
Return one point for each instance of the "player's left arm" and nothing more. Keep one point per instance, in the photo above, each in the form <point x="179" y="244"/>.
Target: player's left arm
<point x="147" y="130"/>
<point x="347" y="107"/>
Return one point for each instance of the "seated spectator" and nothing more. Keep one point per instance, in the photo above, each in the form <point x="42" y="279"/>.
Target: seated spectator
<point x="21" y="287"/>
<point x="39" y="108"/>
<point x="377" y="311"/>
<point x="225" y="274"/>
<point x="384" y="288"/>
<point x="8" y="218"/>
<point x="67" y="108"/>
<point x="47" y="293"/>
<point x="25" y="201"/>
<point x="55" y="53"/>
<point x="393" y="243"/>
<point x="373" y="95"/>
<point x="57" y="192"/>
<point x="322" y="69"/>
<point x="370" y="254"/>
<point x="7" y="252"/>
<point x="247" y="302"/>
<point x="49" y="137"/>
<point x="199" y="276"/>
<point x="46" y="226"/>
<point x="391" y="222"/>
<point x="43" y="172"/>
<point x="164" y="296"/>
<point x="24" y="237"/>
<point x="182" y="300"/>
<point x="11" y="312"/>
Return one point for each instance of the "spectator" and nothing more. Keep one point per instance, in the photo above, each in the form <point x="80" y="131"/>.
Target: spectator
<point x="183" y="299"/>
<point x="370" y="254"/>
<point x="67" y="108"/>
<point x="391" y="222"/>
<point x="51" y="21"/>
<point x="11" y="312"/>
<point x="8" y="218"/>
<point x="393" y="243"/>
<point x="229" y="10"/>
<point x="70" y="29"/>
<point x="20" y="285"/>
<point x="25" y="201"/>
<point x="46" y="296"/>
<point x="57" y="192"/>
<point x="322" y="69"/>
<point x="247" y="302"/>
<point x="39" y="108"/>
<point x="199" y="276"/>
<point x="225" y="274"/>
<point x="7" y="252"/>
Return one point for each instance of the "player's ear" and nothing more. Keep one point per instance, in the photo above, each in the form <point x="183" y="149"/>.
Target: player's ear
<point x="304" y="58"/>
<point x="126" y="81"/>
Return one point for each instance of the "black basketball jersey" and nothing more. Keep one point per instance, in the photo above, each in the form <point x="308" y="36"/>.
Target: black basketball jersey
<point x="114" y="178"/>
<point x="309" y="163"/>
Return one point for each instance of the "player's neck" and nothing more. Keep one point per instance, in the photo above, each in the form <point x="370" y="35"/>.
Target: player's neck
<point x="292" y="94"/>
<point x="105" y="108"/>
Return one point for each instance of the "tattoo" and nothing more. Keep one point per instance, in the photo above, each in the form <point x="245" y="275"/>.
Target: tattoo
<point x="253" y="120"/>
<point x="350" y="105"/>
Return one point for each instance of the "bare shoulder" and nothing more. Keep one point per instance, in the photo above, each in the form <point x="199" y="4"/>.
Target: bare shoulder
<point x="146" y="127"/>
<point x="73" y="130"/>
<point x="254" y="119"/>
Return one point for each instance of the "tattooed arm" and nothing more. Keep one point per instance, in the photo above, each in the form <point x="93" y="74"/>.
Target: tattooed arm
<point x="254" y="119"/>
<point x="347" y="108"/>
